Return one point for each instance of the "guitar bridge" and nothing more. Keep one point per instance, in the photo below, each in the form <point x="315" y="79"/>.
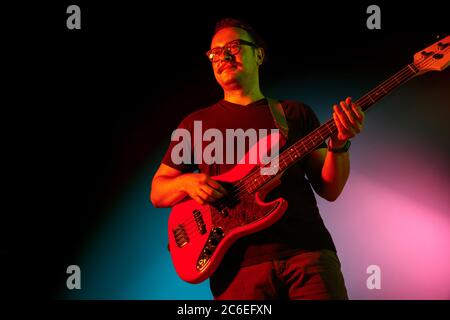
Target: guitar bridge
<point x="214" y="239"/>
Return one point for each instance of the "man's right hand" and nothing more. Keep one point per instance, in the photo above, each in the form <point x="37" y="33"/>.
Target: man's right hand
<point x="202" y="188"/>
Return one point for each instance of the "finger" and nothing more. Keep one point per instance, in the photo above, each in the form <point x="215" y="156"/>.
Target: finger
<point x="198" y="200"/>
<point x="216" y="192"/>
<point x="350" y="120"/>
<point x="338" y="122"/>
<point x="350" y="116"/>
<point x="342" y="117"/>
<point x="348" y="101"/>
<point x="354" y="119"/>
<point x="205" y="196"/>
<point x="346" y="129"/>
<point x="358" y="112"/>
<point x="212" y="193"/>
<point x="358" y="117"/>
<point x="343" y="133"/>
<point x="217" y="186"/>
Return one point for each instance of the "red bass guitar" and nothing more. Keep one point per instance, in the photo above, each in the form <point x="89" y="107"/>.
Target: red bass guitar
<point x="200" y="235"/>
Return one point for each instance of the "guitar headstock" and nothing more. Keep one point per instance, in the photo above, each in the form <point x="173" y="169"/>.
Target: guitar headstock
<point x="434" y="58"/>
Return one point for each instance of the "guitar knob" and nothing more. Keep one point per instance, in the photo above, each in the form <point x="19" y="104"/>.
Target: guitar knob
<point x="213" y="241"/>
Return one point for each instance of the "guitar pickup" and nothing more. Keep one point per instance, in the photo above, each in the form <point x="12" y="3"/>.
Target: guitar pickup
<point x="180" y="235"/>
<point x="201" y="226"/>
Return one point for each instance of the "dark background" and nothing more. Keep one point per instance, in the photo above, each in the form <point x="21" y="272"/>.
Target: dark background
<point x="89" y="107"/>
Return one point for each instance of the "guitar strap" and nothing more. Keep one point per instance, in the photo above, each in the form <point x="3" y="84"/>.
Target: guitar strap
<point x="278" y="116"/>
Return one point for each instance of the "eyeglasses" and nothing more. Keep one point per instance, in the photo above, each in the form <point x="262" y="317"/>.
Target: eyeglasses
<point x="231" y="48"/>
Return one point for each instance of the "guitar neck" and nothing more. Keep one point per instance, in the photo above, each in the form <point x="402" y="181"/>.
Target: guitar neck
<point x="311" y="141"/>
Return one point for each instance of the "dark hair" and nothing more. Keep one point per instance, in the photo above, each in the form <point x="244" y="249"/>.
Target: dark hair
<point x="235" y="23"/>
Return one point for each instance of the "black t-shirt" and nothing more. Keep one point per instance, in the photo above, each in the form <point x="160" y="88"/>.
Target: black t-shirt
<point x="301" y="227"/>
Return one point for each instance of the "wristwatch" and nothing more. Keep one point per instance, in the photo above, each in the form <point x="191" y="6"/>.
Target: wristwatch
<point x="344" y="148"/>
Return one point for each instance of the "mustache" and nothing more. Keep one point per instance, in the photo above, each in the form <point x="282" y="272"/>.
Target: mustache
<point x="226" y="65"/>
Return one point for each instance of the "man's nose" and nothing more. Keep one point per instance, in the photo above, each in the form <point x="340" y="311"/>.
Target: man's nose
<point x="226" y="55"/>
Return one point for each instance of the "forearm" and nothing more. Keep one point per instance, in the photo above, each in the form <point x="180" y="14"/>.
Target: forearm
<point x="335" y="172"/>
<point x="167" y="191"/>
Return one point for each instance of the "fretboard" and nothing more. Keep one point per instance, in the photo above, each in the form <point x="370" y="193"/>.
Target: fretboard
<point x="311" y="141"/>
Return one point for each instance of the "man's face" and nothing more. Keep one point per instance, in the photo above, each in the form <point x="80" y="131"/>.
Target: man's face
<point x="239" y="69"/>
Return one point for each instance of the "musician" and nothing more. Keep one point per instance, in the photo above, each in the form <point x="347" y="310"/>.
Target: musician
<point x="295" y="258"/>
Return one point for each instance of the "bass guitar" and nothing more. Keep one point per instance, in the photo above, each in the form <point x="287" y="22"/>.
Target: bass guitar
<point x="200" y="235"/>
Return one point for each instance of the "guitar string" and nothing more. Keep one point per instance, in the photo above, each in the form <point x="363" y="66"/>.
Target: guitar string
<point x="365" y="99"/>
<point x="406" y="69"/>
<point x="254" y="174"/>
<point x="368" y="97"/>
<point x="245" y="185"/>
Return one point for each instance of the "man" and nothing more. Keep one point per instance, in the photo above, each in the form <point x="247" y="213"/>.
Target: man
<point x="295" y="258"/>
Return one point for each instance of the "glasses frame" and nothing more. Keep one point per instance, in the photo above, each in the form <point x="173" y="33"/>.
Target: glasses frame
<point x="226" y="47"/>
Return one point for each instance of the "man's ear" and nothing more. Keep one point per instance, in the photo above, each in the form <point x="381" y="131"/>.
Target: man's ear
<point x="260" y="56"/>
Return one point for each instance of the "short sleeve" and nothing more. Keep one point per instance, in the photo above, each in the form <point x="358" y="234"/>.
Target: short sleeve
<point x="311" y="122"/>
<point x="302" y="120"/>
<point x="179" y="154"/>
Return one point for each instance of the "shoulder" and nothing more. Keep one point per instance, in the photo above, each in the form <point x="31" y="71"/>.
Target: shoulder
<point x="295" y="109"/>
<point x="199" y="114"/>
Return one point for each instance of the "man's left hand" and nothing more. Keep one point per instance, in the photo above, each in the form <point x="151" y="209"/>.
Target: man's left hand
<point x="349" y="119"/>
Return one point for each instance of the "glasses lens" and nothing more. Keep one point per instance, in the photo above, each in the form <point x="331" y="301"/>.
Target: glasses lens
<point x="233" y="48"/>
<point x="213" y="54"/>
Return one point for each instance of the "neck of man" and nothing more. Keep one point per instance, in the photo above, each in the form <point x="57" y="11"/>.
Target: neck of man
<point x="243" y="96"/>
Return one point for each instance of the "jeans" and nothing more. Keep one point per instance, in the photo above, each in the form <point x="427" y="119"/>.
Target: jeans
<point x="309" y="275"/>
